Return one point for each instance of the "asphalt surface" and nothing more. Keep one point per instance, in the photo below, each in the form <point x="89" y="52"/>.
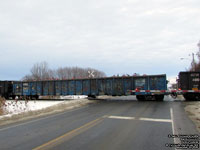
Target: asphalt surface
<point x="106" y="125"/>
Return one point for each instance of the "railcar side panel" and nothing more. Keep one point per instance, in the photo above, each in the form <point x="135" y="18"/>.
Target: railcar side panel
<point x="157" y="82"/>
<point x="39" y="87"/>
<point x="45" y="88"/>
<point x="17" y="88"/>
<point x="118" y="88"/>
<point x="93" y="87"/>
<point x="101" y="86"/>
<point x="64" y="87"/>
<point x="58" y="88"/>
<point x="51" y="88"/>
<point x="79" y="87"/>
<point x="128" y="85"/>
<point x="33" y="88"/>
<point x="141" y="83"/>
<point x="71" y="87"/>
<point x="108" y="87"/>
<point x="86" y="87"/>
<point x="26" y="90"/>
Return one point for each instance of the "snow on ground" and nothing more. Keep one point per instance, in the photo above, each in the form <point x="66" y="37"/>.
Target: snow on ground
<point x="193" y="111"/>
<point x="73" y="97"/>
<point x="13" y="107"/>
<point x="64" y="97"/>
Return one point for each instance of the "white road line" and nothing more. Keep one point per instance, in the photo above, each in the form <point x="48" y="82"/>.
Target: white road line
<point x="156" y="120"/>
<point x="121" y="117"/>
<point x="172" y="118"/>
<point x="40" y="119"/>
<point x="142" y="119"/>
<point x="173" y="127"/>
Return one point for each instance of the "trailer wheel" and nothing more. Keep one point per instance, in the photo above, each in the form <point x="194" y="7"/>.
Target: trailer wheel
<point x="159" y="97"/>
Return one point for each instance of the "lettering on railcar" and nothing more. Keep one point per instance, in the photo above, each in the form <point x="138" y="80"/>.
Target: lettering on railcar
<point x="194" y="75"/>
<point x="196" y="79"/>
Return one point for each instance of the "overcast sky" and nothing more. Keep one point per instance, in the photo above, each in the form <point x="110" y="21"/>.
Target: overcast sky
<point x="115" y="36"/>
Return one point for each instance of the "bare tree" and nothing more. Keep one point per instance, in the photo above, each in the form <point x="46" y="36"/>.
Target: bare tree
<point x="41" y="71"/>
<point x="195" y="65"/>
<point x="27" y="78"/>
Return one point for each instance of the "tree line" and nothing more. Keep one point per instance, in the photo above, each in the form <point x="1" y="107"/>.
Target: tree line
<point x="41" y="71"/>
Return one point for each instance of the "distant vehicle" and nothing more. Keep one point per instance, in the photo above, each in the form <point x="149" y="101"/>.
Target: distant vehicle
<point x="146" y="87"/>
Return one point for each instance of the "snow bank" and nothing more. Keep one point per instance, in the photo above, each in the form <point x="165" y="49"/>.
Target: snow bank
<point x="64" y="97"/>
<point x="73" y="97"/>
<point x="24" y="110"/>
<point x="16" y="107"/>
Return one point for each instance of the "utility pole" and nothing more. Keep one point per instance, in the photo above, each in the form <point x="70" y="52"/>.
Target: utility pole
<point x="198" y="54"/>
<point x="193" y="62"/>
<point x="198" y="45"/>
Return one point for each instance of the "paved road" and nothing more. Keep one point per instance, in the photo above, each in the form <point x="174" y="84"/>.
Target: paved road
<point x="109" y="125"/>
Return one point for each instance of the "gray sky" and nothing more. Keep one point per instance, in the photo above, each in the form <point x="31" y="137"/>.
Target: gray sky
<point x="118" y="36"/>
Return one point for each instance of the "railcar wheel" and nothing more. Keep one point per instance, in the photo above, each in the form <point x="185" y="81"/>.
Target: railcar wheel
<point x="91" y="97"/>
<point x="13" y="97"/>
<point x="198" y="97"/>
<point x="149" y="97"/>
<point x="192" y="96"/>
<point x="159" y="97"/>
<point x="37" y="97"/>
<point x="140" y="97"/>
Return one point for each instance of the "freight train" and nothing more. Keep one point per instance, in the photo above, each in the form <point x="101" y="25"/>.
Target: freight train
<point x="146" y="87"/>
